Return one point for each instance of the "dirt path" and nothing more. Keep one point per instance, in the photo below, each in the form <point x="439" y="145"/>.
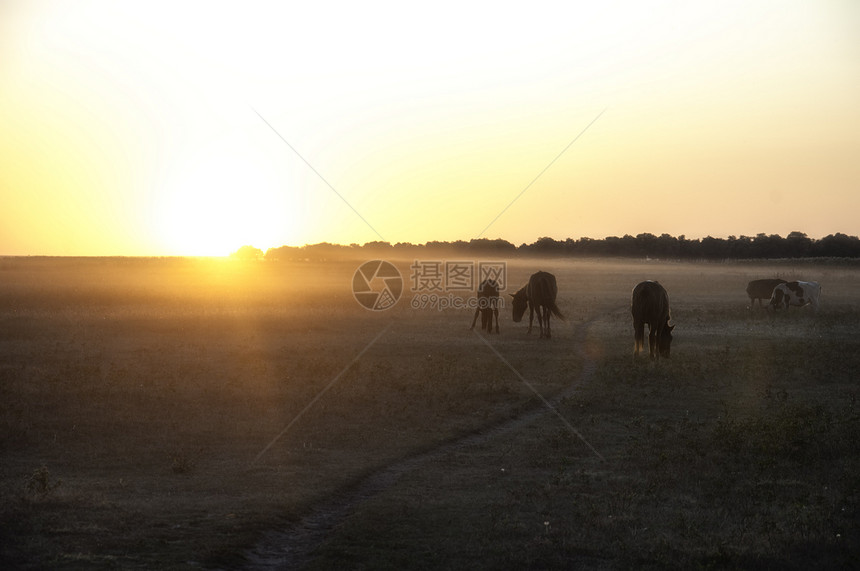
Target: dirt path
<point x="291" y="548"/>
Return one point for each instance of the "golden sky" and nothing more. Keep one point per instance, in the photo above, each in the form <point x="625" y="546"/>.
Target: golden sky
<point x="193" y="128"/>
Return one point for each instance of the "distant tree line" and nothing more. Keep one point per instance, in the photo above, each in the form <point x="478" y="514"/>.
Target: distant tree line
<point x="760" y="246"/>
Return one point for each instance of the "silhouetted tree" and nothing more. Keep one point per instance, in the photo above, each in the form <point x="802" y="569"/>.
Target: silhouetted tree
<point x="613" y="246"/>
<point x="282" y="254"/>
<point x="377" y="245"/>
<point x="324" y="251"/>
<point x="713" y="248"/>
<point x="247" y="253"/>
<point x="646" y="245"/>
<point x="795" y="245"/>
<point x="798" y="245"/>
<point x="765" y="246"/>
<point x="667" y="246"/>
<point x="497" y="246"/>
<point x="460" y="245"/>
<point x="546" y="246"/>
<point x="686" y="248"/>
<point x="740" y="247"/>
<point x="837" y="246"/>
<point x="407" y="248"/>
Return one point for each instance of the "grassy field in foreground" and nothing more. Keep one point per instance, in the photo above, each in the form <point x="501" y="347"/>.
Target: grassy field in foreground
<point x="136" y="394"/>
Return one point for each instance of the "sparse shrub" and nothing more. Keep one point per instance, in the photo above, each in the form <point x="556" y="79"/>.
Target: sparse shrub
<point x="182" y="464"/>
<point x="40" y="483"/>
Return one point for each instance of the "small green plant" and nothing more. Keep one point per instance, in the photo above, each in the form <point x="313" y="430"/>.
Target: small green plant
<point x="182" y="464"/>
<point x="40" y="483"/>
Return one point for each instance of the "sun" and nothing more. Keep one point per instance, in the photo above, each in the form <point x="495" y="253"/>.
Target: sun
<point x="222" y="198"/>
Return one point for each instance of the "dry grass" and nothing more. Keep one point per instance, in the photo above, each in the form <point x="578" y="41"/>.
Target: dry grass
<point x="134" y="395"/>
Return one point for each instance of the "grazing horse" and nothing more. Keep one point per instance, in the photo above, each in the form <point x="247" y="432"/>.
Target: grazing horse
<point x="797" y="294"/>
<point x="539" y="294"/>
<point x="488" y="305"/>
<point x="762" y="289"/>
<point x="651" y="306"/>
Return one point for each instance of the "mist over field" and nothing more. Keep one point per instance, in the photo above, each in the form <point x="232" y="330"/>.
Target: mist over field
<point x="175" y="413"/>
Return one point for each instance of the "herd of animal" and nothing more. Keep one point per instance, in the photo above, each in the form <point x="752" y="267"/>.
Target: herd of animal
<point x="649" y="306"/>
<point x="784" y="294"/>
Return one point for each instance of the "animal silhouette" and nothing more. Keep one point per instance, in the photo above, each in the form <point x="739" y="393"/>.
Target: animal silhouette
<point x="651" y="305"/>
<point x="488" y="305"/>
<point x="538" y="295"/>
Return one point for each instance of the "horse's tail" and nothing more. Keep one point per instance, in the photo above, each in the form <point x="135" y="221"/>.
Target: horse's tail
<point x="555" y="311"/>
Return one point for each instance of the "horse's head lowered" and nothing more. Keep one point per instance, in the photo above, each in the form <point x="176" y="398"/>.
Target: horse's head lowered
<point x="521" y="302"/>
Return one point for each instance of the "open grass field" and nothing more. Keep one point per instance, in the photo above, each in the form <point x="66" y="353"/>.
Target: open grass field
<point x="144" y="402"/>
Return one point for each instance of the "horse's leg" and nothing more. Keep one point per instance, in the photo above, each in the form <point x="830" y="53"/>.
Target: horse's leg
<point x="547" y="313"/>
<point x="540" y="321"/>
<point x="475" y="318"/>
<point x="492" y="311"/>
<point x="531" y="317"/>
<point x="652" y="340"/>
<point x="662" y="333"/>
<point x="638" y="337"/>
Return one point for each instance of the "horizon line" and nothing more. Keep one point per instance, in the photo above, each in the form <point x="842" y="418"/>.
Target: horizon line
<point x="438" y="243"/>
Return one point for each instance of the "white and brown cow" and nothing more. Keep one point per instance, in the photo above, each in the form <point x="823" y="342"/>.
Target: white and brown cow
<point x="797" y="294"/>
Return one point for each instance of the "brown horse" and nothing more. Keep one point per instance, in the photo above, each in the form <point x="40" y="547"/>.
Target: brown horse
<point x="488" y="305"/>
<point x="651" y="306"/>
<point x="539" y="294"/>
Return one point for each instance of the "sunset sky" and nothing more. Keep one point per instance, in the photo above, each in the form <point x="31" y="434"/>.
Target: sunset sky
<point x="192" y="128"/>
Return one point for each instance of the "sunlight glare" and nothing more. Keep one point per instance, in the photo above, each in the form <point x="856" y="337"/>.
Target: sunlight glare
<point x="224" y="198"/>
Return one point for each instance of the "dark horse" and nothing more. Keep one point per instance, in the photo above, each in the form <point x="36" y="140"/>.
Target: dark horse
<point x="488" y="305"/>
<point x="651" y="306"/>
<point x="539" y="294"/>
